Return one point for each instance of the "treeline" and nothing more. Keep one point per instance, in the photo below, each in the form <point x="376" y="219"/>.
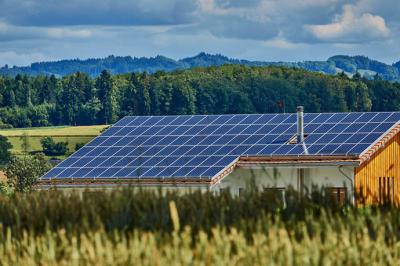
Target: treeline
<point x="78" y="99"/>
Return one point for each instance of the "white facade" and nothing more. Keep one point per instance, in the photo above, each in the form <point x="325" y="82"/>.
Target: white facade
<point x="287" y="176"/>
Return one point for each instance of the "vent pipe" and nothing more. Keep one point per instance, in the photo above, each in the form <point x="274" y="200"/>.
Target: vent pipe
<point x="300" y="124"/>
<point x="300" y="128"/>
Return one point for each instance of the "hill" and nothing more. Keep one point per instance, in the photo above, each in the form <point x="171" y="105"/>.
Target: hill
<point x="125" y="64"/>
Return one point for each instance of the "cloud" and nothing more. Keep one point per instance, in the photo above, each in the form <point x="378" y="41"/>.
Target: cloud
<point x="14" y="58"/>
<point x="68" y="33"/>
<point x="280" y="43"/>
<point x="305" y="21"/>
<point x="12" y="33"/>
<point x="253" y="29"/>
<point x="266" y="20"/>
<point x="96" y="12"/>
<point x="351" y="28"/>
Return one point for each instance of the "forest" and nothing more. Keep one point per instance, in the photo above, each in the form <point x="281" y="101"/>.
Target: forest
<point x="78" y="99"/>
<point x="350" y="65"/>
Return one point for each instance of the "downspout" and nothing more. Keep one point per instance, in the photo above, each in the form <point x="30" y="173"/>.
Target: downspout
<point x="351" y="183"/>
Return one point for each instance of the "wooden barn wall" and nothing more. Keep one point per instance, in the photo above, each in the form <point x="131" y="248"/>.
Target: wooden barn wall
<point x="371" y="178"/>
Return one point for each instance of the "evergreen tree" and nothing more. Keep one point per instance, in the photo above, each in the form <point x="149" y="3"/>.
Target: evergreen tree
<point x="143" y="96"/>
<point x="183" y="99"/>
<point x="107" y="96"/>
<point x="70" y="100"/>
<point x="9" y="98"/>
<point x="129" y="103"/>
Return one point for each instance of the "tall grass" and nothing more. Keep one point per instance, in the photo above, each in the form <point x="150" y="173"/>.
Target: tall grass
<point x="151" y="228"/>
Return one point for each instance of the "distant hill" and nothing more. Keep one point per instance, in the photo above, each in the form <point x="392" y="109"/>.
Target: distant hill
<point x="124" y="64"/>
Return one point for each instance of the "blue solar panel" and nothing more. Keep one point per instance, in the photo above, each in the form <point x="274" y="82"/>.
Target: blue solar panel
<point x="202" y="146"/>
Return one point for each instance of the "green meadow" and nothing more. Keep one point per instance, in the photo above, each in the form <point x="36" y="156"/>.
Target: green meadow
<point x="71" y="134"/>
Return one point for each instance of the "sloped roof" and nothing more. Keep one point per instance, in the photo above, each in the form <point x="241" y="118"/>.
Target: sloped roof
<point x="202" y="147"/>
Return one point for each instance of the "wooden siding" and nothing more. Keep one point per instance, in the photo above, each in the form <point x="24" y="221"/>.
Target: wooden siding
<point x="377" y="180"/>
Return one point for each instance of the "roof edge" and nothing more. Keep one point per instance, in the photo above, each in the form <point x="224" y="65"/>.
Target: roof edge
<point x="121" y="181"/>
<point x="366" y="155"/>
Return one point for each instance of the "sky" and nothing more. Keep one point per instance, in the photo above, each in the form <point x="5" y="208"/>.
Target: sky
<point x="268" y="30"/>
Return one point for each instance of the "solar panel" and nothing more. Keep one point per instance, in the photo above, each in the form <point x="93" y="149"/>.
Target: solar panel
<point x="201" y="146"/>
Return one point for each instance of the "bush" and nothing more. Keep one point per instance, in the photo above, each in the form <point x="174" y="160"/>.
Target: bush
<point x="79" y="145"/>
<point x="52" y="148"/>
<point x="5" y="126"/>
<point x="5" y="189"/>
<point x="5" y="147"/>
<point x="23" y="172"/>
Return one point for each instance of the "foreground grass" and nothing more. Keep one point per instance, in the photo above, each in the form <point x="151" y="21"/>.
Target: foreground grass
<point x="280" y="246"/>
<point x="142" y="227"/>
<point x="70" y="134"/>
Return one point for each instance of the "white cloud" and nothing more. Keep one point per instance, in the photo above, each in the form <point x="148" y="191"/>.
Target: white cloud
<point x="21" y="59"/>
<point x="252" y="29"/>
<point x="280" y="43"/>
<point x="350" y="27"/>
<point x="11" y="32"/>
<point x="68" y="33"/>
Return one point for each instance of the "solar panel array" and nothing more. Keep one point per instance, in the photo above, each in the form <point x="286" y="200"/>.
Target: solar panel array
<point x="201" y="146"/>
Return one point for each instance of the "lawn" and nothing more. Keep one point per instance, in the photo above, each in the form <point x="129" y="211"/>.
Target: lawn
<point x="70" y="134"/>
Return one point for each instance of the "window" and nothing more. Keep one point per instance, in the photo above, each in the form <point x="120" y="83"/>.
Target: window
<point x="336" y="194"/>
<point x="277" y="193"/>
<point x="386" y="190"/>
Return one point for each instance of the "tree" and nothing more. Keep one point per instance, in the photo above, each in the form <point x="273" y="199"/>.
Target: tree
<point x="107" y="96"/>
<point x="25" y="145"/>
<point x="5" y="153"/>
<point x="9" y="98"/>
<point x="182" y="99"/>
<point x="70" y="100"/>
<point x="52" y="148"/>
<point x="129" y="103"/>
<point x="23" y="172"/>
<point x="88" y="112"/>
<point x="143" y="96"/>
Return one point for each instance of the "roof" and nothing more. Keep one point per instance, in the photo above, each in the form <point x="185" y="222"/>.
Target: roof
<point x="204" y="147"/>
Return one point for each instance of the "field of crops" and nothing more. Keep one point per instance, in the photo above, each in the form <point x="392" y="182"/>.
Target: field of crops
<point x="147" y="228"/>
<point x="72" y="135"/>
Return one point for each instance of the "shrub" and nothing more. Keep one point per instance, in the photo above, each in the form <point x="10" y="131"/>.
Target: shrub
<point x="52" y="148"/>
<point x="79" y="145"/>
<point x="5" y="147"/>
<point x="5" y="189"/>
<point x="23" y="172"/>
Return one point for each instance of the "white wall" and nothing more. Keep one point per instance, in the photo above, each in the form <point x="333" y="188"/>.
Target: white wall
<point x="283" y="177"/>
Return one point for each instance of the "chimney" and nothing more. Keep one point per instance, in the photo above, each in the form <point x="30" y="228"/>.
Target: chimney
<point x="300" y="124"/>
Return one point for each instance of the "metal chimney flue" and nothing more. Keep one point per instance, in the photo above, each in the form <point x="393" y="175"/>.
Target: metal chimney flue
<point x="300" y="124"/>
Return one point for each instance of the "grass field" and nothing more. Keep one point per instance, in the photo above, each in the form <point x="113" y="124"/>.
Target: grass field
<point x="126" y="227"/>
<point x="70" y="134"/>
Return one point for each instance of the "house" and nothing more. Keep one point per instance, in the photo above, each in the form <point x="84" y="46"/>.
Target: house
<point x="347" y="154"/>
